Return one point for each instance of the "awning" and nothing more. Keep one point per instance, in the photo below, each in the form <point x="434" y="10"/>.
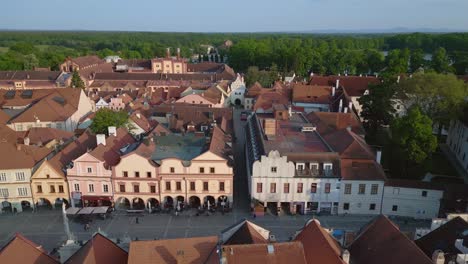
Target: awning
<point x="72" y="210"/>
<point x="96" y="198"/>
<point x="100" y="209"/>
<point x="86" y="210"/>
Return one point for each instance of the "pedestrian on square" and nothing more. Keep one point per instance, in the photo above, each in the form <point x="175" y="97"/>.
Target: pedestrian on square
<point x="137" y="220"/>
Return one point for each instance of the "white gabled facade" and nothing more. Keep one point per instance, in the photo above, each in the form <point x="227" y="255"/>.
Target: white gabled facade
<point x="15" y="190"/>
<point x="237" y="91"/>
<point x="411" y="202"/>
<point x="274" y="183"/>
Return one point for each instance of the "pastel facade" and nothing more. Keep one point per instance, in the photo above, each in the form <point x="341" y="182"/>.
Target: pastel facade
<point x="15" y="190"/>
<point x="91" y="180"/>
<point x="49" y="186"/>
<point x="207" y="178"/>
<point x="135" y="182"/>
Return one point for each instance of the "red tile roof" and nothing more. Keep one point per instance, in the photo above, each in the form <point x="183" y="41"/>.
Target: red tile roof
<point x="24" y="251"/>
<point x="85" y="61"/>
<point x="17" y="156"/>
<point x="43" y="135"/>
<point x="414" y="184"/>
<point x="246" y="234"/>
<point x="329" y="122"/>
<point x="353" y="85"/>
<point x="319" y="94"/>
<point x="361" y="170"/>
<point x="281" y="253"/>
<point x="349" y="145"/>
<point x="319" y="245"/>
<point x="382" y="242"/>
<point x="99" y="250"/>
<point x="110" y="153"/>
<point x="197" y="250"/>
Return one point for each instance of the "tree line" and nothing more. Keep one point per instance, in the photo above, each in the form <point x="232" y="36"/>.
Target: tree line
<point x="298" y="53"/>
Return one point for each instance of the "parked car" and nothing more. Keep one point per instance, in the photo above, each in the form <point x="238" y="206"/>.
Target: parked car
<point x="244" y="116"/>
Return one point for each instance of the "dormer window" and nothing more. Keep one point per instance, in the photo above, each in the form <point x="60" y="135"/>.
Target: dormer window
<point x="300" y="166"/>
<point x="327" y="168"/>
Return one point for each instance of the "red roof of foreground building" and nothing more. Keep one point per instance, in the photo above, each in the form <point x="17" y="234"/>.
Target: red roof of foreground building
<point x="328" y="122"/>
<point x="24" y="251"/>
<point x="353" y="85"/>
<point x="184" y="250"/>
<point x="99" y="250"/>
<point x="319" y="246"/>
<point x="382" y="242"/>
<point x="278" y="253"/>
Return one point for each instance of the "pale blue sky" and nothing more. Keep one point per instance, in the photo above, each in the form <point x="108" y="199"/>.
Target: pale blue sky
<point x="233" y="16"/>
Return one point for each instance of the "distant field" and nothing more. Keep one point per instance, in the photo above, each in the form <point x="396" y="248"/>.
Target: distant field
<point x="3" y="49"/>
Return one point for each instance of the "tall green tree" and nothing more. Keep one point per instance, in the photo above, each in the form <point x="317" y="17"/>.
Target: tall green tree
<point x="105" y="118"/>
<point x="439" y="96"/>
<point x="30" y="61"/>
<point x="76" y="81"/>
<point x="441" y="62"/>
<point x="397" y="61"/>
<point x="412" y="133"/>
<point x="377" y="107"/>
<point x="417" y="60"/>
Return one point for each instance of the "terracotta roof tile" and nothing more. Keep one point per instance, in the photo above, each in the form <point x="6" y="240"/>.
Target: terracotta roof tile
<point x="246" y="234"/>
<point x="281" y="253"/>
<point x="329" y="122"/>
<point x="22" y="250"/>
<point x="110" y="153"/>
<point x="311" y="93"/>
<point x="21" y="156"/>
<point x="85" y="61"/>
<point x="319" y="245"/>
<point x="362" y="170"/>
<point x="99" y="250"/>
<point x="382" y="242"/>
<point x="43" y="135"/>
<point x="349" y="145"/>
<point x="195" y="250"/>
<point x="353" y="85"/>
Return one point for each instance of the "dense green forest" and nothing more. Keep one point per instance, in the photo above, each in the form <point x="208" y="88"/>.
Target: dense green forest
<point x="299" y="53"/>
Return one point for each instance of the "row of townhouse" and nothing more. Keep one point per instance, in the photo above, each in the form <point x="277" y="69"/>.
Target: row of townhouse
<point x="302" y="167"/>
<point x="166" y="168"/>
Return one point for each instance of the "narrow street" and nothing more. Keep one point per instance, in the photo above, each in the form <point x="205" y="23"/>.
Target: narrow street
<point x="241" y="192"/>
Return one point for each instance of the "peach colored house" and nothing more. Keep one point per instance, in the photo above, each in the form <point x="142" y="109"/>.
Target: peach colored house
<point x="200" y="99"/>
<point x="135" y="180"/>
<point x="89" y="179"/>
<point x="190" y="169"/>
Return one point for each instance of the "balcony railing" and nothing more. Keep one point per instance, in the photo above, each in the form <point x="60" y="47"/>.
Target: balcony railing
<point x="314" y="173"/>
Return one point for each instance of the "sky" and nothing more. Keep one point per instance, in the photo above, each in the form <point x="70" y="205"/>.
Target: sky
<point x="234" y="16"/>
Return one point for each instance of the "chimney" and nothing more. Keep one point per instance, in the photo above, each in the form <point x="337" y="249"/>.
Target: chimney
<point x="398" y="79"/>
<point x="350" y="106"/>
<point x="349" y="128"/>
<point x="333" y="91"/>
<point x="337" y="83"/>
<point x="340" y="107"/>
<point x="345" y="110"/>
<point x="18" y="147"/>
<point x="178" y="53"/>
<point x="438" y="257"/>
<point x="112" y="130"/>
<point x="26" y="141"/>
<point x="269" y="126"/>
<point x="138" y="115"/>
<point x="101" y="139"/>
<point x="346" y="256"/>
<point x="378" y="156"/>
<point x="168" y="52"/>
<point x="270" y="249"/>
<point x="290" y="111"/>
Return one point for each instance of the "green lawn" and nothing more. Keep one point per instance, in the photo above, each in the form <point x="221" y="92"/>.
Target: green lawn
<point x="3" y="50"/>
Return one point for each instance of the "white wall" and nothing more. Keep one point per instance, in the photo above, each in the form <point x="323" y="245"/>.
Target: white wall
<point x="12" y="185"/>
<point x="360" y="203"/>
<point x="457" y="140"/>
<point x="411" y="203"/>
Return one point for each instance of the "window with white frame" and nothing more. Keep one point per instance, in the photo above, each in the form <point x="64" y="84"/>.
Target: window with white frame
<point x="3" y="177"/>
<point x="76" y="187"/>
<point x="300" y="166"/>
<point x="91" y="187"/>
<point x="327" y="168"/>
<point x="22" y="191"/>
<point x="4" y="192"/>
<point x="314" y="167"/>
<point x="20" y="176"/>
<point x="105" y="188"/>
